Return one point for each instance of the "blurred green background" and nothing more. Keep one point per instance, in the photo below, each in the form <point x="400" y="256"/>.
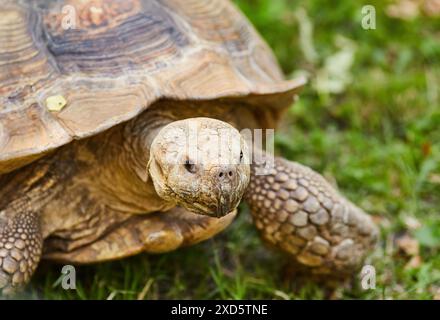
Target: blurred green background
<point x="368" y="119"/>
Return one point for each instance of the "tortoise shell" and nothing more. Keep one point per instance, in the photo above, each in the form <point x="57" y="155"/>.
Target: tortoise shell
<point x="106" y="61"/>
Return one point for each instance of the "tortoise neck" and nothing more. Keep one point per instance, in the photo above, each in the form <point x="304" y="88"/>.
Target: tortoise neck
<point x="140" y="133"/>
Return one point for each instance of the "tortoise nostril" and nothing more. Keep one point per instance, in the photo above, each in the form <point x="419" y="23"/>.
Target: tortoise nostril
<point x="226" y="173"/>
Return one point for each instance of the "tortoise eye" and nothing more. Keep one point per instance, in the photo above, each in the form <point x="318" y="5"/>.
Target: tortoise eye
<point x="241" y="155"/>
<point x="189" y="166"/>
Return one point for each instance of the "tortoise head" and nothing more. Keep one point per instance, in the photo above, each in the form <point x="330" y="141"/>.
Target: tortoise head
<point x="201" y="164"/>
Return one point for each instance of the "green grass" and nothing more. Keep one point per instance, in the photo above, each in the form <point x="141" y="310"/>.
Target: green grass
<point x="378" y="137"/>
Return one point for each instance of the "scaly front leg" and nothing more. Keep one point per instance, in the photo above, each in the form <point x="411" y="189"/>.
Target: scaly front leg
<point x="20" y="247"/>
<point x="298" y="211"/>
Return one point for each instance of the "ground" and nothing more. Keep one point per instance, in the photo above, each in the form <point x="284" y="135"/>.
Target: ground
<point x="369" y="119"/>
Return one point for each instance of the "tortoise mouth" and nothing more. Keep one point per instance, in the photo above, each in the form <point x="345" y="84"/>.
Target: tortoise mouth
<point x="217" y="211"/>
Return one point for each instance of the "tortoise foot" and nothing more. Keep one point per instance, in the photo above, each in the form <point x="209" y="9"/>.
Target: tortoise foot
<point x="20" y="250"/>
<point x="298" y="211"/>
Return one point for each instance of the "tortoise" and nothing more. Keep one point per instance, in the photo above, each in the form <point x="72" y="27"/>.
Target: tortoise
<point x="119" y="134"/>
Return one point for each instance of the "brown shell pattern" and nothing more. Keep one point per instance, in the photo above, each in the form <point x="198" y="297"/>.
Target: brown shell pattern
<point x="111" y="59"/>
